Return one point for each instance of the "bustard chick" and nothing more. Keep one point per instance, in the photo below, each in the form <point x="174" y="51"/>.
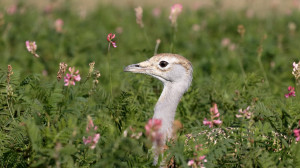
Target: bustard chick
<point x="176" y="73"/>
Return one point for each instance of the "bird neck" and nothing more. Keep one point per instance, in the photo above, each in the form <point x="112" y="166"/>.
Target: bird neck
<point x="166" y="105"/>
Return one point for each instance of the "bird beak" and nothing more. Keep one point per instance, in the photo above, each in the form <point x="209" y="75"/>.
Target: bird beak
<point x="141" y="67"/>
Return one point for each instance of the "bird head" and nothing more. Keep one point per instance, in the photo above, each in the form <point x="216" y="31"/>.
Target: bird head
<point x="168" y="68"/>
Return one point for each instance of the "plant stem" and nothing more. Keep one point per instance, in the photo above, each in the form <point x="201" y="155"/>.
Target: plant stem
<point x="262" y="68"/>
<point x="173" y="38"/>
<point x="146" y="37"/>
<point x="10" y="111"/>
<point x="109" y="73"/>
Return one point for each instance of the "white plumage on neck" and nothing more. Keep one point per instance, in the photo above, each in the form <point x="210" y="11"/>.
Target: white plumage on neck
<point x="175" y="72"/>
<point x="166" y="105"/>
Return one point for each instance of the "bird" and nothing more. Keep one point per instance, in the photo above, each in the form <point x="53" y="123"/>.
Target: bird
<point x="176" y="74"/>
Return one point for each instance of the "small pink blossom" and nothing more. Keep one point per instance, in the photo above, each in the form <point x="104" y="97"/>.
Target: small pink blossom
<point x="297" y="133"/>
<point x="206" y="122"/>
<point x="91" y="140"/>
<point x="139" y="16"/>
<point x="12" y="9"/>
<point x="215" y="120"/>
<point x="110" y="37"/>
<point x="152" y="130"/>
<point x="244" y="113"/>
<point x="176" y="9"/>
<point x="291" y="92"/>
<point x="70" y="79"/>
<point x="198" y="160"/>
<point x="202" y="157"/>
<point x="225" y="42"/>
<point x="31" y="47"/>
<point x="191" y="162"/>
<point x="156" y="12"/>
<point x="58" y="25"/>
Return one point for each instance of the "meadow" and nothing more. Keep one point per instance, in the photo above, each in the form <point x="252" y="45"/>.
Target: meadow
<point x="242" y="66"/>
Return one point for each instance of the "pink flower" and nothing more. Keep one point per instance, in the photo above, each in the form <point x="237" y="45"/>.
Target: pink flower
<point x="217" y="122"/>
<point x="291" y="92"/>
<point x="225" y="42"/>
<point x="190" y="162"/>
<point x="176" y="9"/>
<point x="12" y="9"/>
<point x="139" y="16"/>
<point x="109" y="38"/>
<point x="202" y="157"/>
<point x="206" y="122"/>
<point x="156" y="12"/>
<point x="91" y="140"/>
<point x="31" y="47"/>
<point x="72" y="77"/>
<point x="152" y="130"/>
<point x="214" y="113"/>
<point x="58" y="25"/>
<point x="244" y="113"/>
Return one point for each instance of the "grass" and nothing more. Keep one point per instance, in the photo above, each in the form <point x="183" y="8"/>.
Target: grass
<point x="43" y="122"/>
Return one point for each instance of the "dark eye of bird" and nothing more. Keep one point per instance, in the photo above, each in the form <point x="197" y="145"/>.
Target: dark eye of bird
<point x="163" y="64"/>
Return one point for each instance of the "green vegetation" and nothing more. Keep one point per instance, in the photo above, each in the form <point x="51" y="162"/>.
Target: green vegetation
<point x="43" y="122"/>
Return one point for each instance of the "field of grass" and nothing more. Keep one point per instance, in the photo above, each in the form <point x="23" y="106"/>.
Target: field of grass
<point x="239" y="60"/>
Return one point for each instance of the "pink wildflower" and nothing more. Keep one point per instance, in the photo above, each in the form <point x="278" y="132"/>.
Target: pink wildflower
<point x="139" y="16"/>
<point x="152" y="130"/>
<point x="198" y="159"/>
<point x="156" y="12"/>
<point x="191" y="163"/>
<point x="91" y="140"/>
<point x="214" y="113"/>
<point x="291" y="92"/>
<point x="176" y="9"/>
<point x="217" y="122"/>
<point x="72" y="77"/>
<point x="109" y="38"/>
<point x="12" y="9"/>
<point x="206" y="122"/>
<point x="244" y="113"/>
<point x="225" y="42"/>
<point x="297" y="133"/>
<point x="58" y="25"/>
<point x="31" y="47"/>
<point x="202" y="157"/>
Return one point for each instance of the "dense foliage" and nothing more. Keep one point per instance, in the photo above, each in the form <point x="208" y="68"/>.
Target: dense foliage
<point x="238" y="61"/>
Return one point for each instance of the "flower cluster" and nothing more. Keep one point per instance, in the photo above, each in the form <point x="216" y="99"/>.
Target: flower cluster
<point x="58" y="25"/>
<point x="215" y="120"/>
<point x="244" y="113"/>
<point x="62" y="69"/>
<point x="291" y="92"/>
<point x="199" y="159"/>
<point x="109" y="38"/>
<point x="31" y="47"/>
<point x="176" y="9"/>
<point x="226" y="43"/>
<point x="132" y="133"/>
<point x="139" y="16"/>
<point x="297" y="133"/>
<point x="296" y="70"/>
<point x="91" y="140"/>
<point x="71" y="77"/>
<point x="152" y="131"/>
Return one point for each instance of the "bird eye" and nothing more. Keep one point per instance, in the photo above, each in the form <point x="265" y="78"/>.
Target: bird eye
<point x="163" y="64"/>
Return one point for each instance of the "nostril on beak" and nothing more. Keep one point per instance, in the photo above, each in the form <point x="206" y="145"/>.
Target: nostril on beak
<point x="137" y="65"/>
